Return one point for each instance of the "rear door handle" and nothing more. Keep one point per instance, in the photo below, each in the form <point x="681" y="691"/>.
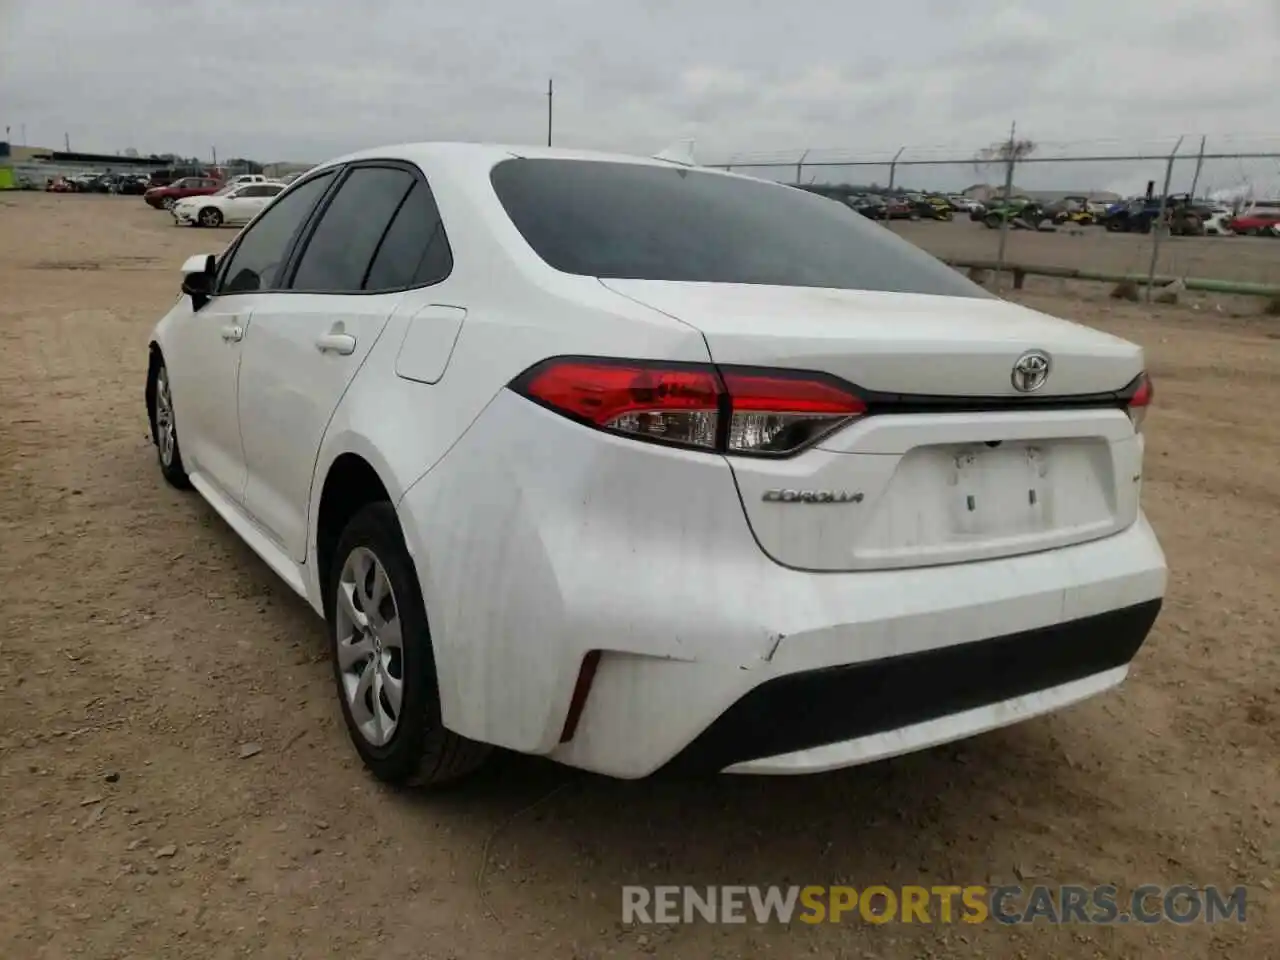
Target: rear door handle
<point x="233" y="333"/>
<point x="342" y="344"/>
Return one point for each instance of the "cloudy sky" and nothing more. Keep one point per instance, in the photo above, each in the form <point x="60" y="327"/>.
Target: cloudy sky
<point x="307" y="79"/>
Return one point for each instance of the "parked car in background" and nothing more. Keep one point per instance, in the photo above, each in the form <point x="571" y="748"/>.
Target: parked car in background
<point x="870" y="205"/>
<point x="1257" y="222"/>
<point x="247" y="178"/>
<point x="899" y="208"/>
<point x="1218" y="224"/>
<point x="162" y="178"/>
<point x="132" y="186"/>
<point x="930" y="207"/>
<point x="163" y="198"/>
<point x="570" y="472"/>
<point x="233" y="204"/>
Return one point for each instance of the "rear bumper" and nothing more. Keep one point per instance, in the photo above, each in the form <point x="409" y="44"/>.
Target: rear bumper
<point x="538" y="541"/>
<point x="847" y="710"/>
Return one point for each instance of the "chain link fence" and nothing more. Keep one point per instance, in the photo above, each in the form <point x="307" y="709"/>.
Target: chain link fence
<point x="1198" y="210"/>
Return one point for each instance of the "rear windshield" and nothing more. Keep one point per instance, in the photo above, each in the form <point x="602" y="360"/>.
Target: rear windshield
<point x="647" y="222"/>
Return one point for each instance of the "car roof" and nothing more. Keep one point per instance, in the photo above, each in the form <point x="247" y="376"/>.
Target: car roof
<point x="471" y="155"/>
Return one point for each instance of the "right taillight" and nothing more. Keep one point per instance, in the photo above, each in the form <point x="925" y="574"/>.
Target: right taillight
<point x="743" y="411"/>
<point x="1138" y="403"/>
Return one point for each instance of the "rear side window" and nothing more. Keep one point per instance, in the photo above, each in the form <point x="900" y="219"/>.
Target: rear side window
<point x="650" y="222"/>
<point x="338" y="255"/>
<point x="415" y="251"/>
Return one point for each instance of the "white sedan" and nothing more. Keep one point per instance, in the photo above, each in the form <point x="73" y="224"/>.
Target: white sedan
<point x="233" y="204"/>
<point x="641" y="466"/>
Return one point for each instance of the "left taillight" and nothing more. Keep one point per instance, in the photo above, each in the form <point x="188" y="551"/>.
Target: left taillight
<point x="1140" y="401"/>
<point x="732" y="410"/>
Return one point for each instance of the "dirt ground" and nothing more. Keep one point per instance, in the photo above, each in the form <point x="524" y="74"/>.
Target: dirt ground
<point x="145" y="651"/>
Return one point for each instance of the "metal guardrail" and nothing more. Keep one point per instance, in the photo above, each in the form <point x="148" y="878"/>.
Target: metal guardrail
<point x="1021" y="271"/>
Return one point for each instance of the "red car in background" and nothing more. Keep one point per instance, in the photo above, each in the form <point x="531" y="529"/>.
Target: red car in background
<point x="1261" y="222"/>
<point x="163" y="198"/>
<point x="899" y="208"/>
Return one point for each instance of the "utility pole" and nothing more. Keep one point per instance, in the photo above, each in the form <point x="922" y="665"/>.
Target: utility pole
<point x="24" y="134"/>
<point x="550" y="97"/>
<point x="1199" y="164"/>
<point x="215" y="155"/>
<point x="1008" y="193"/>
<point x="66" y="141"/>
<point x="893" y="167"/>
<point x="1159" y="226"/>
<point x="800" y="168"/>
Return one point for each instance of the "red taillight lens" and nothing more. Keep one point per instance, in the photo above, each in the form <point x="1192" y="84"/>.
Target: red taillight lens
<point x="1139" y="402"/>
<point x="775" y="413"/>
<point x="671" y="404"/>
<point x="730" y="409"/>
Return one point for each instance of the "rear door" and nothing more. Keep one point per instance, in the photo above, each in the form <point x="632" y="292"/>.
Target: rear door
<point x="363" y="253"/>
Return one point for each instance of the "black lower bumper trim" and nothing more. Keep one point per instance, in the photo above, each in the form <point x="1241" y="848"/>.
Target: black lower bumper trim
<point x="818" y="707"/>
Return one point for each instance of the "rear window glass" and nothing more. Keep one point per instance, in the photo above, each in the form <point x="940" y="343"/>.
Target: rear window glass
<point x="648" y="222"/>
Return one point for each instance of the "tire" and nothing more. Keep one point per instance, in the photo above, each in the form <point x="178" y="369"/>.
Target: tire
<point x="209" y="217"/>
<point x="164" y="430"/>
<point x="992" y="220"/>
<point x="409" y="746"/>
<point x="168" y="202"/>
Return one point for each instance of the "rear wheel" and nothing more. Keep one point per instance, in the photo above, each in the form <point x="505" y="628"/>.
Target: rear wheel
<point x="383" y="662"/>
<point x="992" y="220"/>
<point x="210" y="217"/>
<point x="169" y="203"/>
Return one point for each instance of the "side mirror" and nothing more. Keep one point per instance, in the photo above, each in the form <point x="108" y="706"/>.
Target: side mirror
<point x="197" y="279"/>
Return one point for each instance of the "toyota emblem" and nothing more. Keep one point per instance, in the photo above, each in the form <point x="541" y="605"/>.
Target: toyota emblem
<point x="1031" y="371"/>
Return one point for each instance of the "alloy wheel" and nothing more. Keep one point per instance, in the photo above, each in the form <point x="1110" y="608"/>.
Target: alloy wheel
<point x="165" y="437"/>
<point x="370" y="647"/>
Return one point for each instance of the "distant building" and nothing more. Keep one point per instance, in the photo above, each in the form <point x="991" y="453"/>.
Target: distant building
<point x="40" y="164"/>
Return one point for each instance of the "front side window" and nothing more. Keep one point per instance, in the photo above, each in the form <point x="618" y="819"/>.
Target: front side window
<point x="652" y="222"/>
<point x="255" y="262"/>
<point x="345" y="240"/>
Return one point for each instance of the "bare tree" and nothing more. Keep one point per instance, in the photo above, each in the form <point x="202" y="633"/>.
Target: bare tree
<point x="999" y="154"/>
<point x="1003" y="151"/>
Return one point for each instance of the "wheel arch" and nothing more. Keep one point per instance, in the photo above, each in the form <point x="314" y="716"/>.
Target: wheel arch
<point x="155" y="357"/>
<point x="351" y="477"/>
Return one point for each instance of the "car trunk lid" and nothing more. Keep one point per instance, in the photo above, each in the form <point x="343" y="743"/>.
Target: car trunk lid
<point x="953" y="462"/>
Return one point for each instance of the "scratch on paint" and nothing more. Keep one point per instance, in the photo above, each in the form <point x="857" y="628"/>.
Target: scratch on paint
<point x="773" y="648"/>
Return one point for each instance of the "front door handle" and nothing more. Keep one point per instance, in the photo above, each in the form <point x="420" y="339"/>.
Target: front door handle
<point x="342" y="344"/>
<point x="233" y="333"/>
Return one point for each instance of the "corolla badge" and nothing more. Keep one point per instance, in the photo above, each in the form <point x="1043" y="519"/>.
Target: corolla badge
<point x="811" y="496"/>
<point x="1030" y="371"/>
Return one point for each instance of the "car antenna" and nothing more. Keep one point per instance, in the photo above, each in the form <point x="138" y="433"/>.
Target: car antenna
<point x="680" y="152"/>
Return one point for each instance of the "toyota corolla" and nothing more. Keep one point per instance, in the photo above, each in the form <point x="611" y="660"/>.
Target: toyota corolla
<point x="641" y="466"/>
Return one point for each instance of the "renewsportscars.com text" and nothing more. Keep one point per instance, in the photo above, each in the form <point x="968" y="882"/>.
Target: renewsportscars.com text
<point x="972" y="904"/>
